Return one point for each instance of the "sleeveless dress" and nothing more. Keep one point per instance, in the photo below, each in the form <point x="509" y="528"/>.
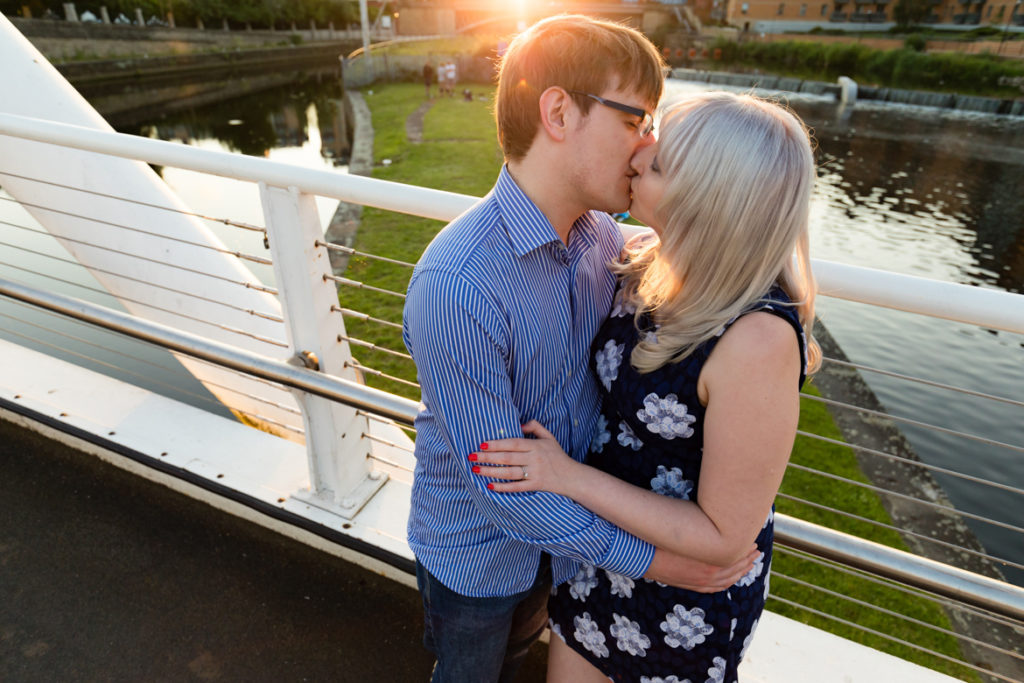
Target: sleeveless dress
<point x="650" y="433"/>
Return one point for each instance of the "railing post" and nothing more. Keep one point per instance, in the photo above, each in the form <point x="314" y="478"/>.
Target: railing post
<point x="340" y="473"/>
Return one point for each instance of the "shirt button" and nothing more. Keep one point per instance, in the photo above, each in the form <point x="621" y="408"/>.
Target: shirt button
<point x="575" y="423"/>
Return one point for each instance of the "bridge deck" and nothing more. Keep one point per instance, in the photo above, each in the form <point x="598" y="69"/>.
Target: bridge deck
<point x="106" y="576"/>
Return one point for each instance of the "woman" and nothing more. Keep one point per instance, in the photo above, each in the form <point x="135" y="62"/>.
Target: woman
<point x="701" y="362"/>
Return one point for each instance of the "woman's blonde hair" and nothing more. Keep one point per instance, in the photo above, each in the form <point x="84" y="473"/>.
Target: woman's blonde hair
<point x="738" y="174"/>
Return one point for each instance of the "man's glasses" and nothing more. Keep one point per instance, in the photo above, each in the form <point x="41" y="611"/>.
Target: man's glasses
<point x="646" y="125"/>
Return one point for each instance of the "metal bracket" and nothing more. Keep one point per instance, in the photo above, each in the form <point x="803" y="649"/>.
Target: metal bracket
<point x="350" y="505"/>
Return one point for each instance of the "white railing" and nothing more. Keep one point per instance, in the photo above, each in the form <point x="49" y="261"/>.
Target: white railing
<point x="344" y="478"/>
<point x="983" y="307"/>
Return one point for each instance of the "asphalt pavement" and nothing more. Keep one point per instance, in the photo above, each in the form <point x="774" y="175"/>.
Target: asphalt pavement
<point x="105" y="576"/>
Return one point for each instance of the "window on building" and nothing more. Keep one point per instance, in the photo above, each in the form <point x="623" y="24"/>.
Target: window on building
<point x="824" y="10"/>
<point x="803" y="10"/>
<point x="1001" y="13"/>
<point x="745" y="7"/>
<point x="782" y="8"/>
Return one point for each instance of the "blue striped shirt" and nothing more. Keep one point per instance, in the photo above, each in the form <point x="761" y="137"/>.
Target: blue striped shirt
<point x="499" y="319"/>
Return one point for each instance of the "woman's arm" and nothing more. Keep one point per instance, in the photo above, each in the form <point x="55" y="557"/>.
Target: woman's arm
<point x="750" y="381"/>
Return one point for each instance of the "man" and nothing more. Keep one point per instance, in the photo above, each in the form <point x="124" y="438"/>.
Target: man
<point x="428" y="77"/>
<point x="500" y="314"/>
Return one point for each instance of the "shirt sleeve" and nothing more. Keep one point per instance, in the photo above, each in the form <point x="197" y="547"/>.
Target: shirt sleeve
<point x="461" y="343"/>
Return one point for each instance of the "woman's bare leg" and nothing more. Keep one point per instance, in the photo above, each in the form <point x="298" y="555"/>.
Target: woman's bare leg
<point x="565" y="665"/>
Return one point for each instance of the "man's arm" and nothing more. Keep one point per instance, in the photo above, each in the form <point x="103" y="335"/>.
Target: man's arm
<point x="683" y="572"/>
<point x="461" y="345"/>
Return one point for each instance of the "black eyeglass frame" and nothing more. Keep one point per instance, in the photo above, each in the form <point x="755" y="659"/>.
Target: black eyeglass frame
<point x="646" y="125"/>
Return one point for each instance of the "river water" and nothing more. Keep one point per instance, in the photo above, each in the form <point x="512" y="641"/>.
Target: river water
<point x="926" y="192"/>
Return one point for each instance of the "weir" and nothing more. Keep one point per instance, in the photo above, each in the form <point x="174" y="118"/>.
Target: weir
<point x="990" y="105"/>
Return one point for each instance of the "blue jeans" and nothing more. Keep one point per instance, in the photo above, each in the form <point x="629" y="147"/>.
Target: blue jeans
<point x="481" y="640"/>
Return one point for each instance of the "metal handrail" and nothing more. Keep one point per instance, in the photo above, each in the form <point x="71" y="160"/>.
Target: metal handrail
<point x="967" y="587"/>
<point x="367" y="398"/>
<point x="962" y="303"/>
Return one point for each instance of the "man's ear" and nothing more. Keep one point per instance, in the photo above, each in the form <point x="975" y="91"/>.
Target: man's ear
<point x="555" y="106"/>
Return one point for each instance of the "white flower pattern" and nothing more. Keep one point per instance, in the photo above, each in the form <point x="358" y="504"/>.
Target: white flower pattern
<point x="670" y="482"/>
<point x="584" y="581"/>
<point x="716" y="674"/>
<point x="748" y="639"/>
<point x="621" y="306"/>
<point x="608" y="361"/>
<point x="685" y="628"/>
<point x="589" y="635"/>
<point x="666" y="417"/>
<point x="601" y="435"/>
<point x="613" y="601"/>
<point x="628" y="637"/>
<point x="621" y="585"/>
<point x="628" y="438"/>
<point x="755" y="571"/>
<point x="555" y="628"/>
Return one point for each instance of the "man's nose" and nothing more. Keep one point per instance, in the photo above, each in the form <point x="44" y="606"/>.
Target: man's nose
<point x="636" y="162"/>
<point x="645" y="141"/>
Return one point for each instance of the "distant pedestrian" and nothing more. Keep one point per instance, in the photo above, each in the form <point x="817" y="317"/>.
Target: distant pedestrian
<point x="452" y="79"/>
<point x="428" y="77"/>
<point x="442" y="79"/>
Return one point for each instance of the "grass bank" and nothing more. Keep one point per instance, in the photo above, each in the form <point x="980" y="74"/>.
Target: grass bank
<point x="460" y="153"/>
<point x="983" y="75"/>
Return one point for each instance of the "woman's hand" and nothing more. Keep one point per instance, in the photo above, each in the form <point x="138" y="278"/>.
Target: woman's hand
<point x="537" y="464"/>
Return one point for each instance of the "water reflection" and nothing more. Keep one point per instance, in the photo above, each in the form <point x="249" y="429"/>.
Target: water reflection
<point x="952" y="177"/>
<point x="258" y="123"/>
<point x="305" y="123"/>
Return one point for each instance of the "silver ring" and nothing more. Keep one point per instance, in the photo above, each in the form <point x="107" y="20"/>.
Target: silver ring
<point x="526" y="475"/>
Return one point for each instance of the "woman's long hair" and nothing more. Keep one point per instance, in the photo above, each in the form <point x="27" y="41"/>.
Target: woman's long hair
<point x="738" y="174"/>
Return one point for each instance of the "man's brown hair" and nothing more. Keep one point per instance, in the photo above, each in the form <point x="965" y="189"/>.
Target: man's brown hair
<point x="574" y="52"/>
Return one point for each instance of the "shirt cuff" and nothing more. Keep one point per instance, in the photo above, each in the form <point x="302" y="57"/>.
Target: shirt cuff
<point x="628" y="555"/>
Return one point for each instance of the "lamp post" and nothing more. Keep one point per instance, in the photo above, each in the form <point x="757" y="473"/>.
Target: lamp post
<point x="364" y="22"/>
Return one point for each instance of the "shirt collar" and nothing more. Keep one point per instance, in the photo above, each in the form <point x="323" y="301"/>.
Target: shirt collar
<point x="527" y="226"/>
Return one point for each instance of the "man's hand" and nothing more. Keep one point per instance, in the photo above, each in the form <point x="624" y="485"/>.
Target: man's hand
<point x="682" y="572"/>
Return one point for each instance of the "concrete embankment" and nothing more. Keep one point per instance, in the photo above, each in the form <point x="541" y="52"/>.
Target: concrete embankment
<point x="991" y="105"/>
<point x="63" y="41"/>
<point x="97" y="58"/>
<point x="154" y="70"/>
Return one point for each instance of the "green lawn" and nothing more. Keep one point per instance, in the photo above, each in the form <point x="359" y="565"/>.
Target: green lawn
<point x="460" y="153"/>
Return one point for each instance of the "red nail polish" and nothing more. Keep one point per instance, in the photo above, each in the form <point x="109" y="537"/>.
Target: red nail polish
<point x="483" y="447"/>
<point x="476" y="469"/>
<point x="472" y="457"/>
<point x="490" y="486"/>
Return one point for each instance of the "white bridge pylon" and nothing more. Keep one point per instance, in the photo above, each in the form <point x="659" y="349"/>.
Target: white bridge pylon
<point x="32" y="87"/>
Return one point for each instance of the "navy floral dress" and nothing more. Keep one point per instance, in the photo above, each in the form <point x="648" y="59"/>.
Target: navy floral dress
<point x="650" y="433"/>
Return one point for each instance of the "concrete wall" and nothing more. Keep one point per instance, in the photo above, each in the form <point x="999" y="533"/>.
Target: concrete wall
<point x="63" y="40"/>
<point x="426" y="21"/>
<point x="359" y="72"/>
